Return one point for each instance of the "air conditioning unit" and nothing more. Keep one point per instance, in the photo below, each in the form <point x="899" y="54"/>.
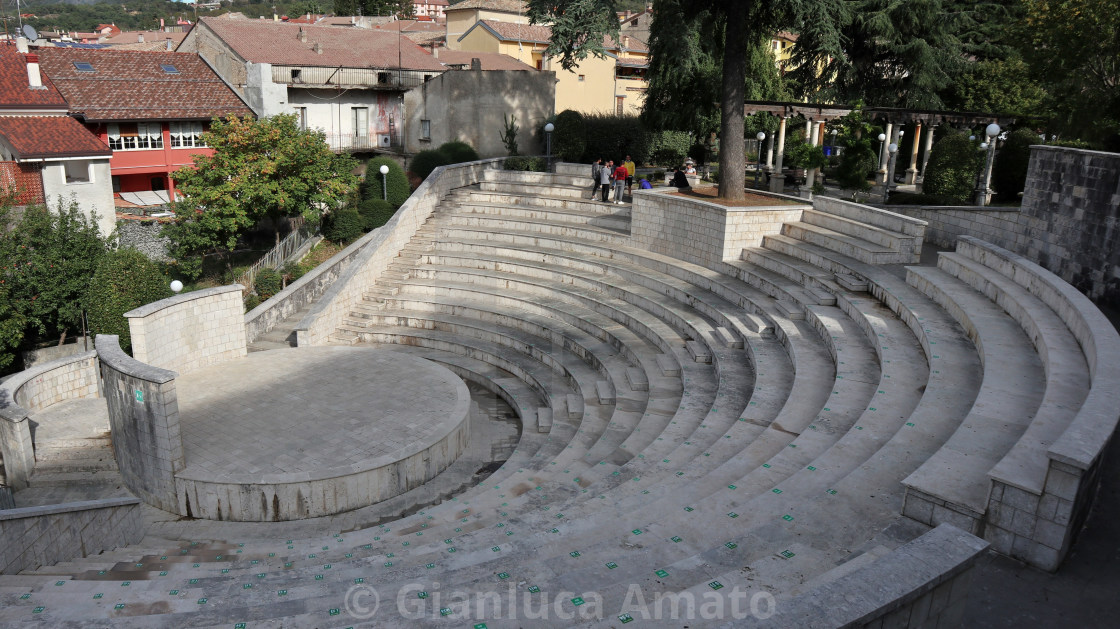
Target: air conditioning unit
<point x="383" y="140"/>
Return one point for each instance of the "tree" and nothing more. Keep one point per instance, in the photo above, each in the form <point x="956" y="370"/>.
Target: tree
<point x="886" y="53"/>
<point x="570" y="138"/>
<point x="1074" y="47"/>
<point x="403" y="9"/>
<point x="267" y="168"/>
<point x="124" y="279"/>
<point x="1009" y="172"/>
<point x="579" y="26"/>
<point x="858" y="157"/>
<point x="50" y="257"/>
<point x="953" y="166"/>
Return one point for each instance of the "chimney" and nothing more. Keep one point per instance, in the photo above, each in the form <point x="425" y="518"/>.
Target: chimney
<point x="625" y="41"/>
<point x="302" y="36"/>
<point x="275" y="18"/>
<point x="318" y="48"/>
<point x="170" y="45"/>
<point x="21" y="45"/>
<point x="476" y="63"/>
<point x="435" y="51"/>
<point x="34" y="79"/>
<point x="139" y="38"/>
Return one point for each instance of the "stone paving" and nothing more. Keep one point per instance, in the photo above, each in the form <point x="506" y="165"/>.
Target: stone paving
<point x="311" y="410"/>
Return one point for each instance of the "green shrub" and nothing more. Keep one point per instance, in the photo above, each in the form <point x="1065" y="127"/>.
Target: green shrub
<point x="611" y="136"/>
<point x="424" y="162"/>
<point x="520" y="162"/>
<point x="375" y="213"/>
<point x="854" y="164"/>
<point x="267" y="283"/>
<point x="669" y="148"/>
<point x="252" y="301"/>
<point x="124" y="279"/>
<point x="458" y="152"/>
<point x="801" y="154"/>
<point x="396" y="181"/>
<point x="953" y="165"/>
<point x="343" y="225"/>
<point x="293" y="270"/>
<point x="570" y="137"/>
<point x="1009" y="172"/>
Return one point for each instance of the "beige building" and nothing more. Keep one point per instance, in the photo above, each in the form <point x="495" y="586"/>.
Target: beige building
<point x="613" y="84"/>
<point x="462" y="16"/>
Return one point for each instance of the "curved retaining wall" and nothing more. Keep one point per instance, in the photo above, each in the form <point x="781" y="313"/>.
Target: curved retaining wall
<point x="298" y="496"/>
<point x="144" y="420"/>
<point x="32" y="390"/>
<point x="190" y="331"/>
<point x="45" y="535"/>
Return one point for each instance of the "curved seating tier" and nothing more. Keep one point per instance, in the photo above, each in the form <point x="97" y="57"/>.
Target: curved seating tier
<point x="764" y="424"/>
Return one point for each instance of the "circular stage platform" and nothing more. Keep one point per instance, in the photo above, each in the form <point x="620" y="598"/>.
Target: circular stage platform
<point x="299" y="433"/>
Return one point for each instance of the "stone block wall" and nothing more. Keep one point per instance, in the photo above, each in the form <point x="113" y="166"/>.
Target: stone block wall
<point x="144" y="420"/>
<point x="701" y="232"/>
<point x="378" y="248"/>
<point x="1072" y="200"/>
<point x="996" y="225"/>
<point x="42" y="536"/>
<point x="190" y="331"/>
<point x="35" y="389"/>
<point x="144" y="237"/>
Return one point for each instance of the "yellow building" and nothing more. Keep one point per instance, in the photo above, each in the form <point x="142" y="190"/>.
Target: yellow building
<point x="462" y="16"/>
<point x="614" y="84"/>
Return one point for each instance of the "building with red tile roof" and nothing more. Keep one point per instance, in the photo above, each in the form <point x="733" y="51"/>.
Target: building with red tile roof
<point x="151" y="108"/>
<point x="348" y="82"/>
<point x="429" y="8"/>
<point x="44" y="153"/>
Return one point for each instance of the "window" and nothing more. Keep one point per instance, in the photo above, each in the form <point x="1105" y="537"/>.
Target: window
<point x="77" y="171"/>
<point x="168" y="68"/>
<point x="425" y="129"/>
<point x="131" y="136"/>
<point x="82" y="66"/>
<point x="187" y="135"/>
<point x="157" y="183"/>
<point x="619" y="102"/>
<point x="296" y="75"/>
<point x="382" y="78"/>
<point x="581" y="78"/>
<point x="360" y="121"/>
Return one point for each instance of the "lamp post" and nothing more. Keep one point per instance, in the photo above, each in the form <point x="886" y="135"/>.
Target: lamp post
<point x="176" y="286"/>
<point x="384" y="181"/>
<point x="892" y="150"/>
<point x="758" y="172"/>
<point x="548" y="129"/>
<point x="983" y="191"/>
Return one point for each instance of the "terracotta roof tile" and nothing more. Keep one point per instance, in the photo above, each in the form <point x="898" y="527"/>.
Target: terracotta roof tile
<point x="132" y="37"/>
<point x="131" y="85"/>
<point x="14" y="89"/>
<point x="539" y="33"/>
<point x="277" y="43"/>
<point x="34" y="137"/>
<point x="490" y="60"/>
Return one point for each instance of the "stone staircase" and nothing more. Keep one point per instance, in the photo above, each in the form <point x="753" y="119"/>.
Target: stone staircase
<point x="770" y="425"/>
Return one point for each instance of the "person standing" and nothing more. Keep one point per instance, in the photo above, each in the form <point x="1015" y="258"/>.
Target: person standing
<point x="631" y="168"/>
<point x="619" y="183"/>
<point x="596" y="173"/>
<point x="605" y="180"/>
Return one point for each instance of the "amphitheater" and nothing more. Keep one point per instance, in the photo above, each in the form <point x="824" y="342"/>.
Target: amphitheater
<point x="773" y="416"/>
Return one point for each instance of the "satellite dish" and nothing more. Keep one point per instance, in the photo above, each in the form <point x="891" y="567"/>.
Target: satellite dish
<point x="29" y="32"/>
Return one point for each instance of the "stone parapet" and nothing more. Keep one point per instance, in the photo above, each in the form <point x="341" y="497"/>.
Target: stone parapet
<point x="144" y="421"/>
<point x="186" y="332"/>
<point x="34" y="389"/>
<point x="40" y="536"/>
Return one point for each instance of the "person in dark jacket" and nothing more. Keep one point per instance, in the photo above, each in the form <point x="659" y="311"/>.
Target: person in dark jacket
<point x="596" y="169"/>
<point x="679" y="179"/>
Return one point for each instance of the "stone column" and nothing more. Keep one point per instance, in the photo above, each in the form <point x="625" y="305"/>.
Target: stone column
<point x="770" y="152"/>
<point x="926" y="151"/>
<point x="777" y="179"/>
<point x="810" y="175"/>
<point x="912" y="172"/>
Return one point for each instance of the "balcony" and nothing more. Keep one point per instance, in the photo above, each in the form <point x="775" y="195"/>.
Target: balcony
<point x="350" y="78"/>
<point x="358" y="143"/>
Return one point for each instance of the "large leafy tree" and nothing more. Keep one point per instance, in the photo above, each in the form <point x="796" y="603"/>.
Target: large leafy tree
<point x="46" y="261"/>
<point x="1074" y="47"/>
<point x="268" y="168"/>
<point x="578" y="28"/>
<point x="885" y="52"/>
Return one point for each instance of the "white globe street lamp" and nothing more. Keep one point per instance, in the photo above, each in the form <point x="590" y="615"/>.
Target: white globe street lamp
<point x="892" y="150"/>
<point x="384" y="181"/>
<point x="548" y="129"/>
<point x="757" y="173"/>
<point x="176" y="286"/>
<point x="983" y="190"/>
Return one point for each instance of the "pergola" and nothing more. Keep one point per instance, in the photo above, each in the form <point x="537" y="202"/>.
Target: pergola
<point x="817" y="115"/>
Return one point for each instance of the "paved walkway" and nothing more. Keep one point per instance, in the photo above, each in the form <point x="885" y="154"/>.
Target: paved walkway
<point x="310" y="410"/>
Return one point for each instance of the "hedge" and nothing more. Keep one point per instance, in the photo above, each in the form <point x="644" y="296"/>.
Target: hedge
<point x="953" y="166"/>
<point x="124" y="279"/>
<point x="396" y="181"/>
<point x="424" y="162"/>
